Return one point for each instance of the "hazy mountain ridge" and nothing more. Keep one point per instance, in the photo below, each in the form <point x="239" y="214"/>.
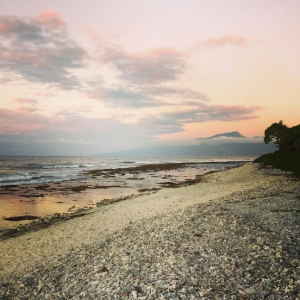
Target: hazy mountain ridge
<point x="233" y="134"/>
<point x="232" y="149"/>
<point x="223" y="144"/>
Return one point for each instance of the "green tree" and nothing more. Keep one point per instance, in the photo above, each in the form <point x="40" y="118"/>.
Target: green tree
<point x="275" y="133"/>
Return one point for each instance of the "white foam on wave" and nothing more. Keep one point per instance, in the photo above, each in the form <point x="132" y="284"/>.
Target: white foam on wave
<point x="21" y="178"/>
<point x="70" y="166"/>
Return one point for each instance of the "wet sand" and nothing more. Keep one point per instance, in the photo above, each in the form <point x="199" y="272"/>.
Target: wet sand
<point x="45" y="200"/>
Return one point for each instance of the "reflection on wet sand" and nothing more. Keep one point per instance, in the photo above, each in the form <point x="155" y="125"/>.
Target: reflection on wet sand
<point x="45" y="200"/>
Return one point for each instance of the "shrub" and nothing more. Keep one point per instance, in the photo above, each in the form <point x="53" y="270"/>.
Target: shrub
<point x="287" y="161"/>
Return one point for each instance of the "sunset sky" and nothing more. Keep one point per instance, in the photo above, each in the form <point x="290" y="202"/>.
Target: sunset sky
<point x="93" y="76"/>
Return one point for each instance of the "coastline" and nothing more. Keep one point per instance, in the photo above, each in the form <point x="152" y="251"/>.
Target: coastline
<point x="207" y="234"/>
<point x="49" y="202"/>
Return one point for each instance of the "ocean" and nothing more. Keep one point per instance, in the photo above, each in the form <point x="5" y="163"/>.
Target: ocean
<point x="20" y="170"/>
<point x="43" y="186"/>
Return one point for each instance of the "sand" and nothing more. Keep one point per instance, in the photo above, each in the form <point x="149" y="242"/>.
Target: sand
<point x="46" y="245"/>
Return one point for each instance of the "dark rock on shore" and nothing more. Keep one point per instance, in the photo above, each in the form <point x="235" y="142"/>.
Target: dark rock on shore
<point x="21" y="218"/>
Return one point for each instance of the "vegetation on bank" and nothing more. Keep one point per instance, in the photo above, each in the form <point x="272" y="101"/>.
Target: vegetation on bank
<point x="287" y="139"/>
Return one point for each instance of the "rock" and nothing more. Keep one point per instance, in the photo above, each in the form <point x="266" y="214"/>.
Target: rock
<point x="265" y="294"/>
<point x="21" y="218"/>
<point x="29" y="280"/>
<point x="138" y="289"/>
<point x="250" y="291"/>
<point x="104" y="269"/>
<point x="8" y="232"/>
<point x="134" y="294"/>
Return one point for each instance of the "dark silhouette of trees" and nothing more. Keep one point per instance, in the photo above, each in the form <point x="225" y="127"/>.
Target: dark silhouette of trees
<point x="275" y="133"/>
<point x="288" y="140"/>
<point x="291" y="139"/>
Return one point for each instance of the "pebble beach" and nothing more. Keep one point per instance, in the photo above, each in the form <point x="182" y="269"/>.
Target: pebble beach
<point x="233" y="235"/>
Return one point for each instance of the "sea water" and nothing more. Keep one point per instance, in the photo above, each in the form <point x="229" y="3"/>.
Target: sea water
<point x="20" y="178"/>
<point x="18" y="170"/>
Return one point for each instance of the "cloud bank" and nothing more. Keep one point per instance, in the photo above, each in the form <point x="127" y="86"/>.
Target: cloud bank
<point x="40" y="49"/>
<point x="174" y="121"/>
<point x="158" y="65"/>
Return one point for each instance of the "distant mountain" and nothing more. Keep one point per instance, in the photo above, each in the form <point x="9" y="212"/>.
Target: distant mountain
<point x="229" y="149"/>
<point x="210" y="146"/>
<point x="233" y="134"/>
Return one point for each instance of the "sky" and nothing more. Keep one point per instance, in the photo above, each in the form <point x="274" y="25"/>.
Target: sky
<point x="93" y="76"/>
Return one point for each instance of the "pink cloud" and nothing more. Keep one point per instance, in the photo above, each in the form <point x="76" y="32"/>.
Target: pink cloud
<point x="227" y="40"/>
<point x="25" y="119"/>
<point x="17" y="121"/>
<point x="4" y="27"/>
<point x="5" y="55"/>
<point x="175" y="121"/>
<point x="155" y="66"/>
<point x="158" y="52"/>
<point x="28" y="101"/>
<point x="40" y="49"/>
<point x="51" y="18"/>
<point x="45" y="94"/>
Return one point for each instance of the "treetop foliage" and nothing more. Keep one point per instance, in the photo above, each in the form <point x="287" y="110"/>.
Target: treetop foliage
<point x="287" y="138"/>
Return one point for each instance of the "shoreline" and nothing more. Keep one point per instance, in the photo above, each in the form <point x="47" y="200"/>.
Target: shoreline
<point x="48" y="203"/>
<point x="159" y="167"/>
<point x="227" y="213"/>
<point x="40" y="223"/>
